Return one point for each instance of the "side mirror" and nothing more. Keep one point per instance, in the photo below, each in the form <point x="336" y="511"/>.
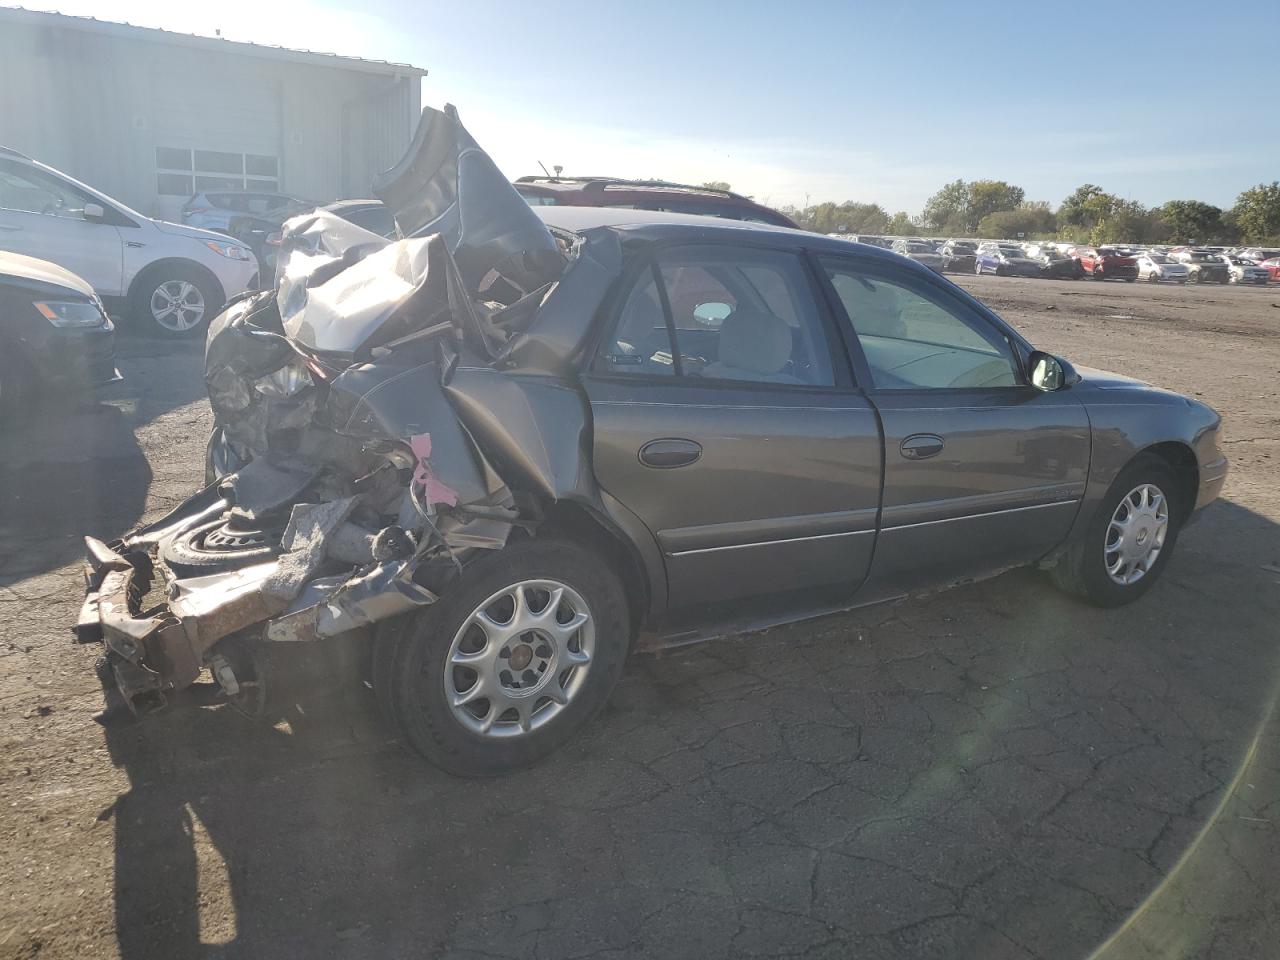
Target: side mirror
<point x="1049" y="373"/>
<point x="94" y="213"/>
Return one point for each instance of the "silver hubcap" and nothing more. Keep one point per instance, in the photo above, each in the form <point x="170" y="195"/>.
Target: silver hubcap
<point x="520" y="658"/>
<point x="177" y="305"/>
<point x="1136" y="534"/>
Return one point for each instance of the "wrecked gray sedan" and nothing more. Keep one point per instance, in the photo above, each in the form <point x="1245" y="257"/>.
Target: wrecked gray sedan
<point x="506" y="449"/>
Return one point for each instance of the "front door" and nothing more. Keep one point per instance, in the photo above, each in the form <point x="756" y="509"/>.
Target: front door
<point x="42" y="216"/>
<point x="982" y="470"/>
<point x="727" y="423"/>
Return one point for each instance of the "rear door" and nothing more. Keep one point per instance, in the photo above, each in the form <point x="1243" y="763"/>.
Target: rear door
<point x="726" y="419"/>
<point x="982" y="470"/>
<point x="43" y="216"/>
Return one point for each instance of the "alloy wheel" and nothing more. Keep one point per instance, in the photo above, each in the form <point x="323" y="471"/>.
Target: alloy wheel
<point x="520" y="658"/>
<point x="1136" y="534"/>
<point x="177" y="305"/>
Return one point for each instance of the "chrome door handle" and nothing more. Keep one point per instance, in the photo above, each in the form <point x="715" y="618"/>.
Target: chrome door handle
<point x="670" y="452"/>
<point x="921" y="446"/>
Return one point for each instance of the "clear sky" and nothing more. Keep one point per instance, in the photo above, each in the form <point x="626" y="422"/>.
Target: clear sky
<point x="884" y="102"/>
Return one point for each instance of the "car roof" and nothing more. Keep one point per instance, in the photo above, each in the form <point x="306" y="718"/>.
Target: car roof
<point x="660" y="224"/>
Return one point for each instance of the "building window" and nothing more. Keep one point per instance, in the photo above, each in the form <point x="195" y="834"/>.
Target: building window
<point x="181" y="172"/>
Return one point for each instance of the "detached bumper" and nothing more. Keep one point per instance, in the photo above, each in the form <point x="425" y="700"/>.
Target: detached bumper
<point x="114" y="587"/>
<point x="147" y="655"/>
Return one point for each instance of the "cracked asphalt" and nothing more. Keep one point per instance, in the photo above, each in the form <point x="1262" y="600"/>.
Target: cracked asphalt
<point x="992" y="772"/>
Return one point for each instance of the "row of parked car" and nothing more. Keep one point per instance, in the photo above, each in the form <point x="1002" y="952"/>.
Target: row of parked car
<point x="1069" y="261"/>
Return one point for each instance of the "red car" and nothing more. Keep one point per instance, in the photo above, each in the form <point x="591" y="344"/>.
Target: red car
<point x="1106" y="263"/>
<point x="646" y="195"/>
<point x="1273" y="268"/>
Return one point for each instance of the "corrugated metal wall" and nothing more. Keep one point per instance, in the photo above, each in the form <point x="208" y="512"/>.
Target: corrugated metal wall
<point x="97" y="107"/>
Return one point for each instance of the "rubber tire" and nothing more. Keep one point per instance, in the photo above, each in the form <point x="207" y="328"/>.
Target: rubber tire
<point x="1081" y="569"/>
<point x="420" y="643"/>
<point x="186" y="559"/>
<point x="146" y="284"/>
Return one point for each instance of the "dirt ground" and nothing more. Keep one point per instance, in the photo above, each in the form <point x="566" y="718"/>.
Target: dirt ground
<point x="995" y="772"/>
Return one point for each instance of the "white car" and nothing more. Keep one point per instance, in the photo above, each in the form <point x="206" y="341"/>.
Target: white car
<point x="170" y="278"/>
<point x="1243" y="270"/>
<point x="1156" y="267"/>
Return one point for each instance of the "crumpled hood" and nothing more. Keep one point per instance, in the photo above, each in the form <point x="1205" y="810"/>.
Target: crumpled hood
<point x="42" y="271"/>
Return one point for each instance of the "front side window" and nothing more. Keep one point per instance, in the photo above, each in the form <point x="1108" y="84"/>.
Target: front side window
<point x="33" y="191"/>
<point x="912" y="341"/>
<point x="740" y="315"/>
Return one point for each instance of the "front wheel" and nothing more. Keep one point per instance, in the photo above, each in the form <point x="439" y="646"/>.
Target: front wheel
<point x="173" y="301"/>
<point x="512" y="661"/>
<point x="1128" y="540"/>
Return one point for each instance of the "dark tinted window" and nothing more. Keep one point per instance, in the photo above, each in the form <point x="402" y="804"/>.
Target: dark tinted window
<point x="738" y="314"/>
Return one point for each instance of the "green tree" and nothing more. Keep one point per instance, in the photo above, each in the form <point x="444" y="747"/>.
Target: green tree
<point x="902" y="225"/>
<point x="1080" y="211"/>
<point x="1257" y="213"/>
<point x="990" y="196"/>
<point x="715" y="185"/>
<point x="847" y="217"/>
<point x="947" y="210"/>
<point x="1033" y="219"/>
<point x="1119" y="221"/>
<point x="958" y="207"/>
<point x="1188" y="220"/>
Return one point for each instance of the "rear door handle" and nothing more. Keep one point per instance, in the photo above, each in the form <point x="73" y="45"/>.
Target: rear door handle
<point x="671" y="452"/>
<point x="9" y="226"/>
<point x="921" y="446"/>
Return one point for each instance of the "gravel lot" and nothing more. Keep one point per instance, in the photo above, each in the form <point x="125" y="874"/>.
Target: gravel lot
<point x="993" y="772"/>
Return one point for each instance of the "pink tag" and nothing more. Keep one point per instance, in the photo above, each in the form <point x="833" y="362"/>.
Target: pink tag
<point x="436" y="491"/>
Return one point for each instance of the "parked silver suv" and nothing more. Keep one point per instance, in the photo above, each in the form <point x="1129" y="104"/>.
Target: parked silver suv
<point x="170" y="278"/>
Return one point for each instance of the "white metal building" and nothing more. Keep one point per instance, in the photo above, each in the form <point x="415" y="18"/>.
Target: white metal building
<point x="150" y="117"/>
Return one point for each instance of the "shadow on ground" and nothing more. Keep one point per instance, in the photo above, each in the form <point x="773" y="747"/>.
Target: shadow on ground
<point x="996" y="772"/>
<point x="72" y="466"/>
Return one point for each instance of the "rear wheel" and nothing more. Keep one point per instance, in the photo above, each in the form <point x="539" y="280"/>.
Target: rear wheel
<point x="1127" y="542"/>
<point x="511" y="662"/>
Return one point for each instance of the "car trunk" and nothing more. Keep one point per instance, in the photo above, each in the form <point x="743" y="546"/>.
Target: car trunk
<point x="386" y="412"/>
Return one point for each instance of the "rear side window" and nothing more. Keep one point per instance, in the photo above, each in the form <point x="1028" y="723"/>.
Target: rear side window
<point x="722" y="314"/>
